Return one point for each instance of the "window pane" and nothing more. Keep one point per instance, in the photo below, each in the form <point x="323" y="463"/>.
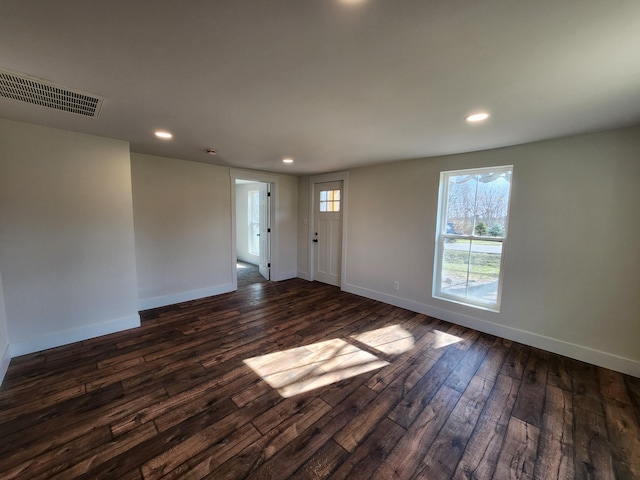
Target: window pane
<point x="323" y="195"/>
<point x="471" y="269"/>
<point x="461" y="204"/>
<point x="254" y="206"/>
<point x="491" y="206"/>
<point x="254" y="222"/>
<point x="455" y="268"/>
<point x="484" y="271"/>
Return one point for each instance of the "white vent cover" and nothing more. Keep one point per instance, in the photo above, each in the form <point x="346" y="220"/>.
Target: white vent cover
<point x="38" y="92"/>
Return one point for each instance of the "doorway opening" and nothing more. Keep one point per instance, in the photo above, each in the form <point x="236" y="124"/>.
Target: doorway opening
<point x="253" y="245"/>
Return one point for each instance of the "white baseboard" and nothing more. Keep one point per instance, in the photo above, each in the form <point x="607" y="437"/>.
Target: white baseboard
<point x="285" y="276"/>
<point x="164" y="300"/>
<point x="578" y="352"/>
<point x="74" y="335"/>
<point x="4" y="363"/>
<point x="252" y="259"/>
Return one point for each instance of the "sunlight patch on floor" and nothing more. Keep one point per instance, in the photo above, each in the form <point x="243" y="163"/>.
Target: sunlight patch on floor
<point x="443" y="339"/>
<point x="306" y="368"/>
<point x="392" y="340"/>
<point x="301" y="369"/>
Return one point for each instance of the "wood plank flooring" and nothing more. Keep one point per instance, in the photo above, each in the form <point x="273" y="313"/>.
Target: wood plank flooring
<point x="414" y="398"/>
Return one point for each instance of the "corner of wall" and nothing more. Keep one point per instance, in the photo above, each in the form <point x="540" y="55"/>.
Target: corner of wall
<point x="164" y="300"/>
<point x="4" y="363"/>
<point x="4" y="337"/>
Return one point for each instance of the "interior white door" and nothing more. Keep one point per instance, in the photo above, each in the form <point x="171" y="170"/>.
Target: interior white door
<point x="327" y="238"/>
<point x="265" y="232"/>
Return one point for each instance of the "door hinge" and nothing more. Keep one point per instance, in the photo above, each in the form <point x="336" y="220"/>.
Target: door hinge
<point x="268" y="194"/>
<point x="268" y="230"/>
<point x="269" y="265"/>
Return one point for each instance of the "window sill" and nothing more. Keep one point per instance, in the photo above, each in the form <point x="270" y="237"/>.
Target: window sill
<point x="478" y="306"/>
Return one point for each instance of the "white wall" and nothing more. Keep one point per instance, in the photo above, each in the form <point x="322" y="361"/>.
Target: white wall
<point x="572" y="264"/>
<point x="242" y="221"/>
<point x="287" y="225"/>
<point x="66" y="236"/>
<point x="304" y="242"/>
<point x="182" y="213"/>
<point x="5" y="354"/>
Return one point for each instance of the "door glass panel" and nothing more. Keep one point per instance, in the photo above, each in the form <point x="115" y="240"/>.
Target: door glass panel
<point x="330" y="200"/>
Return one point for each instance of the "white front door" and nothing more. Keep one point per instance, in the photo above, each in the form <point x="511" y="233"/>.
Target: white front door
<point x="265" y="232"/>
<point x="327" y="238"/>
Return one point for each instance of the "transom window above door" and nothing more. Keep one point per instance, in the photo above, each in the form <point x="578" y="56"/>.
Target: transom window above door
<point x="330" y="200"/>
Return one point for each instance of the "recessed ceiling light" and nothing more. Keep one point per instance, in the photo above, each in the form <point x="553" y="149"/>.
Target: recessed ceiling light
<point x="162" y="134"/>
<point x="477" y="117"/>
<point x="287" y="160"/>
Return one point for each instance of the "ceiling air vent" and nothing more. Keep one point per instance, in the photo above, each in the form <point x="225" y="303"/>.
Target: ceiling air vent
<point x="37" y="92"/>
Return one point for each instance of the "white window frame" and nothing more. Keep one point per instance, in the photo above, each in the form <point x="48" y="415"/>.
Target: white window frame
<point x="442" y="235"/>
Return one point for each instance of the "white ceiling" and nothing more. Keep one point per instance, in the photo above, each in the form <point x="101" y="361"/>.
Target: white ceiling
<point x="330" y="84"/>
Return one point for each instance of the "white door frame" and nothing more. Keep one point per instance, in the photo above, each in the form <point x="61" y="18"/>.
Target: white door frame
<point x="264" y="204"/>
<point x="273" y="180"/>
<point x="329" y="177"/>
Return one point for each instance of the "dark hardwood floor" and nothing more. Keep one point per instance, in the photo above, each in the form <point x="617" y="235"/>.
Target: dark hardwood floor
<point x="176" y="399"/>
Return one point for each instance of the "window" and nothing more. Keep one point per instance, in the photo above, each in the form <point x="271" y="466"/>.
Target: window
<point x="254" y="222"/>
<point x="473" y="210"/>
<point x="330" y="200"/>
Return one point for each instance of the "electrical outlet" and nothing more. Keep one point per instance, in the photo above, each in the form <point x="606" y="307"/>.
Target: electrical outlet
<point x="396" y="285"/>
